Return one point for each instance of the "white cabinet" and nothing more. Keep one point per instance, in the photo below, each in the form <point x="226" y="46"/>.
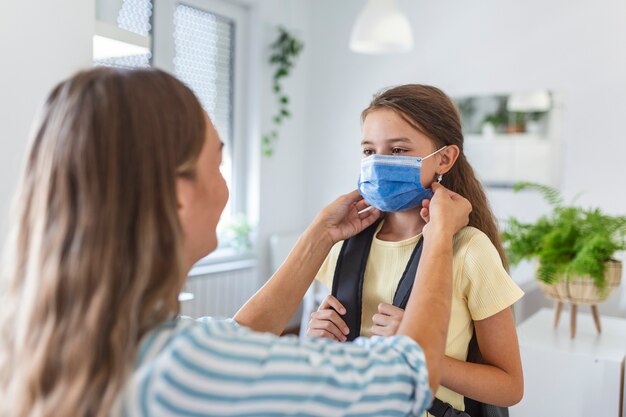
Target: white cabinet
<point x="571" y="377"/>
<point x="502" y="160"/>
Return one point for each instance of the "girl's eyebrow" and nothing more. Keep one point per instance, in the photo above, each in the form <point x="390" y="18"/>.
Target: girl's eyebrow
<point x="404" y="140"/>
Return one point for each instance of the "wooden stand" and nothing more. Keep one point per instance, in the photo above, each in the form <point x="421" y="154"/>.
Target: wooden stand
<point x="573" y="312"/>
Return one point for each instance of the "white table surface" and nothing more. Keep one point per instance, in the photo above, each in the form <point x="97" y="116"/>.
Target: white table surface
<point x="571" y="377"/>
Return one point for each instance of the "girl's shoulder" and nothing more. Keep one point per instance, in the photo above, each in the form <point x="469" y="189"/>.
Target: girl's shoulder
<point x="470" y="237"/>
<point x="473" y="249"/>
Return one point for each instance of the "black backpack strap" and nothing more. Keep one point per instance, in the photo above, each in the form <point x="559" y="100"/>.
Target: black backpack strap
<point x="401" y="297"/>
<point x="441" y="409"/>
<point x="348" y="278"/>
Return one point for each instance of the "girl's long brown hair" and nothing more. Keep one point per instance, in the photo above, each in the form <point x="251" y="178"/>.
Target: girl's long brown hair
<point x="431" y="111"/>
<point x="94" y="258"/>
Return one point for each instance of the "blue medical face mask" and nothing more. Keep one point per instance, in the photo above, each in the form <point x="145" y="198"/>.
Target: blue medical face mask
<point x="392" y="183"/>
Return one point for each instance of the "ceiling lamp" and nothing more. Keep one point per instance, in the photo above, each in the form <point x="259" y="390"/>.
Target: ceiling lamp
<point x="381" y="28"/>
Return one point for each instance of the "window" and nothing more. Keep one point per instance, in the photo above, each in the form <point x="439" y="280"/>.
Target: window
<point x="204" y="50"/>
<point x="202" y="42"/>
<point x="123" y="36"/>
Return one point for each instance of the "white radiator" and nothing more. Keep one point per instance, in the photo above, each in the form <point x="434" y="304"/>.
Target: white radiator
<point x="220" y="290"/>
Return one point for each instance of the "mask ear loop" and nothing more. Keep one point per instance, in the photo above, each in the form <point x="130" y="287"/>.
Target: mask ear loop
<point x="434" y="153"/>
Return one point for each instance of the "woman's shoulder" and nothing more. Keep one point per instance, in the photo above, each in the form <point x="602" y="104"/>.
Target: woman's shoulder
<point x="184" y="332"/>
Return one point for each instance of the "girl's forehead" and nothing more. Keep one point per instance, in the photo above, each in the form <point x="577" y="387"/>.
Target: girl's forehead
<point x="385" y="120"/>
<point x="395" y="130"/>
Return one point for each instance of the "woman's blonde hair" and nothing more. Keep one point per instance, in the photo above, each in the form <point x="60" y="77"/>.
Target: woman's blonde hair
<point x="94" y="257"/>
<point x="430" y="110"/>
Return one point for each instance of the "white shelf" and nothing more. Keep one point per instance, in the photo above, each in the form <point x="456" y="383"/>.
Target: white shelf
<point x="507" y="137"/>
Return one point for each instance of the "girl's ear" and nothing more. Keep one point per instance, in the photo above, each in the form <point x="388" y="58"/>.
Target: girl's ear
<point x="447" y="158"/>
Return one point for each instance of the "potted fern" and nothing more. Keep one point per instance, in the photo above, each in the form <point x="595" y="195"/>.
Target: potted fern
<point x="574" y="248"/>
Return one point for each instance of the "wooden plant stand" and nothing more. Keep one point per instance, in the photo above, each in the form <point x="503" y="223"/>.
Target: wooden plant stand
<point x="573" y="313"/>
<point x="582" y="290"/>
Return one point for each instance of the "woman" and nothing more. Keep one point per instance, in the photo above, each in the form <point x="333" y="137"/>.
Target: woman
<point x="412" y="138"/>
<point x="121" y="195"/>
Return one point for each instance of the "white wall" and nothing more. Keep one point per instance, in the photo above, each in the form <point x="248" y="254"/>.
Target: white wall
<point x="282" y="191"/>
<point x="577" y="48"/>
<point x="41" y="42"/>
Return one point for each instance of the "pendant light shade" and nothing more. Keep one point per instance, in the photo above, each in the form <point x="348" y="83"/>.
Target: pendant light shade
<point x="381" y="28"/>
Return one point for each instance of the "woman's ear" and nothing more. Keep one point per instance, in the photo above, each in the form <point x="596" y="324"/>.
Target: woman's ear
<point x="184" y="192"/>
<point x="447" y="158"/>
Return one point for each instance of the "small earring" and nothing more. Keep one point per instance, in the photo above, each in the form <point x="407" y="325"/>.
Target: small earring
<point x="439" y="177"/>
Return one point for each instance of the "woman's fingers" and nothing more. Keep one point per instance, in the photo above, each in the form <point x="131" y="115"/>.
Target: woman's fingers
<point x="365" y="212"/>
<point x="425" y="214"/>
<point x="370" y="218"/>
<point x="352" y="197"/>
<point x="448" y="211"/>
<point x="361" y="205"/>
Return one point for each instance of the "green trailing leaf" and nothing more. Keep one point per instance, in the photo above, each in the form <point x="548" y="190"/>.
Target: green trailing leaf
<point x="552" y="196"/>
<point x="280" y="72"/>
<point x="570" y="241"/>
<point x="284" y="52"/>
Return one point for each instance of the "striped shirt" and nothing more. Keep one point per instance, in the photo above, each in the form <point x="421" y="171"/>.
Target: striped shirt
<point x="211" y="367"/>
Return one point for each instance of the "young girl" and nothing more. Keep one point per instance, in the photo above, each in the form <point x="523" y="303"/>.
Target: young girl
<point x="411" y="138"/>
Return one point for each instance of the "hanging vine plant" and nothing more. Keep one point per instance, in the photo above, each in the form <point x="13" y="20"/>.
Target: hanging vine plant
<point x="285" y="50"/>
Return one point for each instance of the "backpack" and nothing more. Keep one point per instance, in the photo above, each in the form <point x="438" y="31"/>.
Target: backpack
<point x="348" y="289"/>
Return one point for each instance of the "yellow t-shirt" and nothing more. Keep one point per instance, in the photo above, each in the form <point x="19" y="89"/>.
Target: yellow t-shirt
<point x="481" y="287"/>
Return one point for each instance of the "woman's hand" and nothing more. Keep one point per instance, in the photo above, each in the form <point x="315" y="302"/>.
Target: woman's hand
<point x="446" y="211"/>
<point x="345" y="217"/>
<point x="387" y="321"/>
<point x="327" y="323"/>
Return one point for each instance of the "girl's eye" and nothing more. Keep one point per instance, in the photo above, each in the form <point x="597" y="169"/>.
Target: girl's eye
<point x="368" y="152"/>
<point x="398" y="150"/>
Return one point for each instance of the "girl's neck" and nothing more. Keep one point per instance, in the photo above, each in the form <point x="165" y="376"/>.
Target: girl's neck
<point x="401" y="225"/>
